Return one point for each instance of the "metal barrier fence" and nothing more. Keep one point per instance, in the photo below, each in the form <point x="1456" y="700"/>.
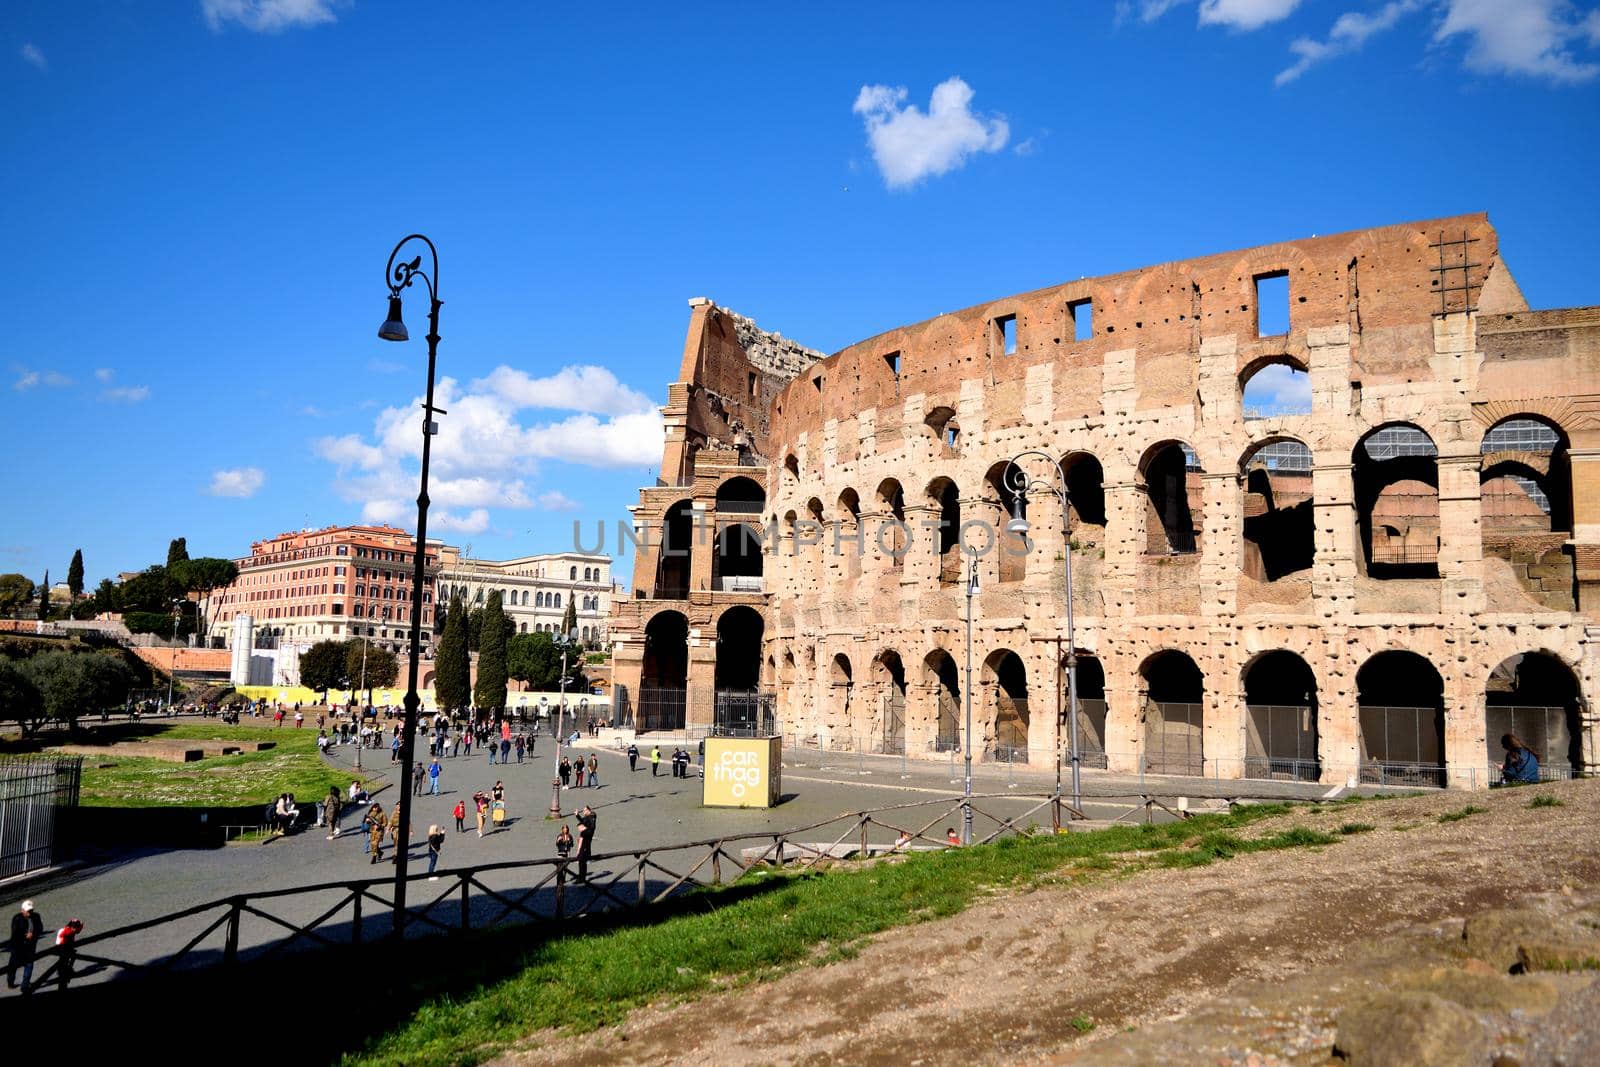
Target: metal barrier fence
<point x="1543" y="729"/>
<point x="661" y="708"/>
<point x="32" y="790"/>
<point x="1173" y="737"/>
<point x="1281" y="742"/>
<point x="745" y="713"/>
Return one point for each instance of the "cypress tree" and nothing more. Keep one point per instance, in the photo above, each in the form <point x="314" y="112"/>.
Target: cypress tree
<point x="450" y="669"/>
<point x="491" y="688"/>
<point x="75" y="574"/>
<point x="44" y="597"/>
<point x="177" y="550"/>
<point x="569" y="621"/>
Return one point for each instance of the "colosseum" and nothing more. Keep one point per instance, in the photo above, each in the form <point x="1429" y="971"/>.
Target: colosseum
<point x="1369" y="580"/>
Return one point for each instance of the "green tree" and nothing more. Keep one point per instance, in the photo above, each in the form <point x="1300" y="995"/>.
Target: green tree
<point x="203" y="575"/>
<point x="20" y="701"/>
<point x="105" y="596"/>
<point x="44" y="597"/>
<point x="158" y="623"/>
<point x="15" y="591"/>
<point x="491" y="688"/>
<point x="382" y="666"/>
<point x="74" y="685"/>
<point x="177" y="549"/>
<point x="475" y="630"/>
<point x="451" y="668"/>
<point x="75" y="574"/>
<point x="569" y="621"/>
<point x="532" y="658"/>
<point x="152" y="589"/>
<point x="323" y="666"/>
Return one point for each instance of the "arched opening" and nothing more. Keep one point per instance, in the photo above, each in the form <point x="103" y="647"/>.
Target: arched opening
<point x="1279" y="513"/>
<point x="1091" y="711"/>
<point x="1005" y="672"/>
<point x="1525" y="486"/>
<point x="1010" y="549"/>
<point x="894" y="537"/>
<point x="945" y="429"/>
<point x="1280" y="696"/>
<point x="1174" y="714"/>
<point x="741" y="496"/>
<point x="666" y="672"/>
<point x="1396" y="477"/>
<point x="737" y="565"/>
<point x="1401" y="701"/>
<point x="842" y="684"/>
<point x="890" y="674"/>
<point x="941" y="676"/>
<point x="677" y="542"/>
<point x="1086" y="496"/>
<point x="849" y="542"/>
<point x="739" y="633"/>
<point x="1173" y="502"/>
<point x="791" y="466"/>
<point x="1536" y="697"/>
<point x="1274" y="387"/>
<point x="943" y="494"/>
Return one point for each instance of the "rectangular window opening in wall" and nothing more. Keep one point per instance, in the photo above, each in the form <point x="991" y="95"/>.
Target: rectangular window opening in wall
<point x="1272" y="304"/>
<point x="1081" y="312"/>
<point x="754" y="386"/>
<point x="893" y="362"/>
<point x="1005" y="334"/>
<point x="817" y="381"/>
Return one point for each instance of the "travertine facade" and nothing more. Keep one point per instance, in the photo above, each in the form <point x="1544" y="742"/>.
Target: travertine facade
<point x="1331" y="594"/>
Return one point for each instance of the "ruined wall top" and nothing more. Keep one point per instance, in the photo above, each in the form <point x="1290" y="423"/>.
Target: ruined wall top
<point x="769" y="352"/>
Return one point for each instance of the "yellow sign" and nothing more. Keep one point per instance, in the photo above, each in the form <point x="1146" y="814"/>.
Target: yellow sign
<point x="743" y="772"/>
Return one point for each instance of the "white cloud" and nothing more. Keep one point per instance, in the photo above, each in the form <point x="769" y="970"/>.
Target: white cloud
<point x="385" y="366"/>
<point x="104" y="374"/>
<point x="126" y="394"/>
<point x="1529" y="37"/>
<point x="266" y="16"/>
<point x="474" y="522"/>
<point x="34" y="57"/>
<point x="1245" y="15"/>
<point x="238" y="482"/>
<point x="485" y="453"/>
<point x="555" y="500"/>
<point x="592" y="389"/>
<point x="28" y="378"/>
<point x="909" y="145"/>
<point x="1278" y="390"/>
<point x="1350" y="31"/>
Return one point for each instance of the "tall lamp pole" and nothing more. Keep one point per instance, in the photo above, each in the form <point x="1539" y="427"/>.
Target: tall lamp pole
<point x="172" y="664"/>
<point x="966" y="789"/>
<point x="399" y="275"/>
<point x="565" y="641"/>
<point x="1020" y="482"/>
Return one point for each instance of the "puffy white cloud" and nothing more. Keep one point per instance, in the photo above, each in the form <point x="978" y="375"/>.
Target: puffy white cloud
<point x="1350" y="31"/>
<point x="486" y="452"/>
<point x="475" y="521"/>
<point x="28" y="378"/>
<point x="1529" y="37"/>
<point x="555" y="500"/>
<point x="1245" y="14"/>
<point x="909" y="145"/>
<point x="104" y="374"/>
<point x="1278" y="390"/>
<point x="34" y="57"/>
<point x="239" y="482"/>
<point x="126" y="394"/>
<point x="266" y="16"/>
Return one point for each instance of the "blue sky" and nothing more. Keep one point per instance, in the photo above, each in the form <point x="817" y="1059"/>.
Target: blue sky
<point x="199" y="197"/>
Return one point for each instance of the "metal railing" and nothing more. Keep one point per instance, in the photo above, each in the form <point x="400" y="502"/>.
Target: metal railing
<point x="745" y="713"/>
<point x="33" y="790"/>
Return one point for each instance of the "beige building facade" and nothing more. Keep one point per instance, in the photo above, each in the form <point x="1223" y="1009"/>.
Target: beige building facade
<point x="1371" y="586"/>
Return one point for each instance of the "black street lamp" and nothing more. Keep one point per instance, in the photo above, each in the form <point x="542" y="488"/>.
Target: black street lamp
<point x="1020" y="482"/>
<point x="399" y="276"/>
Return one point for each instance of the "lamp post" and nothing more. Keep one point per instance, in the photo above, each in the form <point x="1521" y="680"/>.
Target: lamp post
<point x="565" y="641"/>
<point x="397" y="276"/>
<point x="1020" y="482"/>
<point x="172" y="664"/>
<point x="966" y="790"/>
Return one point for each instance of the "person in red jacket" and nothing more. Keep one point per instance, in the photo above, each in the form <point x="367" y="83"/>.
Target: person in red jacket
<point x="67" y="947"/>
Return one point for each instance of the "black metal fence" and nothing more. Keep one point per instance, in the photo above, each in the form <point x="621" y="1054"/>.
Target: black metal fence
<point x="33" y="791"/>
<point x="1173" y="741"/>
<point x="661" y="708"/>
<point x="1091" y="733"/>
<point x="1281" y="742"/>
<point x="1543" y="729"/>
<point x="745" y="713"/>
<point x="1402" y="746"/>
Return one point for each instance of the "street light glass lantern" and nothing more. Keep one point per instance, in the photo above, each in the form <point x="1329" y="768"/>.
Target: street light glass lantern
<point x="393" y="328"/>
<point x="1018" y="524"/>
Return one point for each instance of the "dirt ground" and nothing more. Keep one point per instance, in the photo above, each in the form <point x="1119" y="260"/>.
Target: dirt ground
<point x="1019" y="977"/>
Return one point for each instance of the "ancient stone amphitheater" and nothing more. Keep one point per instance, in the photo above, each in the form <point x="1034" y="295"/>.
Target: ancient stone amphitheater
<point x="1368" y="563"/>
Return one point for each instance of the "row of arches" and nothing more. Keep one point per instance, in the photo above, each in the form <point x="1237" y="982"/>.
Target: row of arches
<point x="1400" y="701"/>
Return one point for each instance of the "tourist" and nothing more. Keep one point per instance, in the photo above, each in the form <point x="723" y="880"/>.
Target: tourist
<point x="902" y="841"/>
<point x="466" y="742"/>
<point x="493" y="749"/>
<point x="460" y="813"/>
<point x="951" y="837"/>
<point x="455" y="745"/>
<point x="433" y="777"/>
<point x="533" y="739"/>
<point x="586" y="827"/>
<point x="299" y="718"/>
<point x="394" y="749"/>
<point x="594" y="771"/>
<point x="330" y="812"/>
<point x="655" y="760"/>
<point x="435" y="843"/>
<point x="633" y="757"/>
<point x="322" y="742"/>
<point x="482" y="803"/>
<point x="505" y="745"/>
<point x="26" y="930"/>
<point x="499" y="792"/>
<point x="377" y="825"/>
<point x="1522" y="763"/>
<point x="564" y="842"/>
<point x="577" y="773"/>
<point x="358" y="795"/>
<point x="67" y="948"/>
<point x="418" y="771"/>
<point x="520" y="747"/>
<point x="277" y="718"/>
<point x="565" y="771"/>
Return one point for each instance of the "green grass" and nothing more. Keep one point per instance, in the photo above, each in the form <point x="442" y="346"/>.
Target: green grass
<point x="294" y="766"/>
<point x="1545" y="800"/>
<point x="1081" y="1023"/>
<point x="1461" y="813"/>
<point x="1356" y="828"/>
<point x="769" y="922"/>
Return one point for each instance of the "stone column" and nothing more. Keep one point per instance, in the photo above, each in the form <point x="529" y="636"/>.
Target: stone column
<point x="1460" y="533"/>
<point x="1125" y="692"/>
<point x="1585" y="467"/>
<point x="1466" y="753"/>
<point x="921" y="564"/>
<point x="1220" y="549"/>
<point x="1338" y="715"/>
<point x="700" y="691"/>
<point x="1333" y="571"/>
<point x="1222" y="739"/>
<point x="1125" y="517"/>
<point x="703" y="544"/>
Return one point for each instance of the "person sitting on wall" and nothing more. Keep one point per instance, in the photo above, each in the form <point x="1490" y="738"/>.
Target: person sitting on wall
<point x="1522" y="763"/>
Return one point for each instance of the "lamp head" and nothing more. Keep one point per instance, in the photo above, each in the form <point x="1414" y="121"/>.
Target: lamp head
<point x="393" y="328"/>
<point x="972" y="583"/>
<point x="1018" y="524"/>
